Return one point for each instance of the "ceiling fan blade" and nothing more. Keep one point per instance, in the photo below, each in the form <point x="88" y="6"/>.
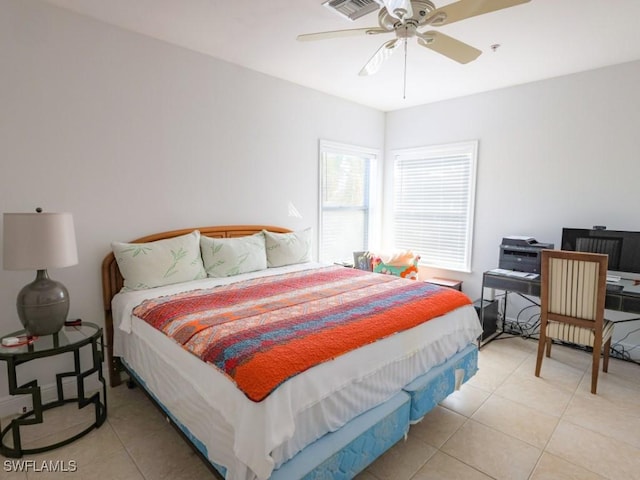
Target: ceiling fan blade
<point x="383" y="53"/>
<point x="448" y="46"/>
<point x="341" y="33"/>
<point x="462" y="9"/>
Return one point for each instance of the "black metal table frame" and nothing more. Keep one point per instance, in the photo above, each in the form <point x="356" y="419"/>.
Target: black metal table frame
<point x="525" y="287"/>
<point x="35" y="416"/>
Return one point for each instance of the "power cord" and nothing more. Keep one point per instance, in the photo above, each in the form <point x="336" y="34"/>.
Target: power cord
<point x="530" y="327"/>
<point x="619" y="351"/>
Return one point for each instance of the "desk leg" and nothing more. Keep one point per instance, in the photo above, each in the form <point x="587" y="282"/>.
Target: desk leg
<point x="504" y="311"/>
<point x="480" y="339"/>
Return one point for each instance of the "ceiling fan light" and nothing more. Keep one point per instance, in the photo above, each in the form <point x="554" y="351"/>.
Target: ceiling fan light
<point x="398" y="8"/>
<point x="378" y="58"/>
<point x="400" y="12"/>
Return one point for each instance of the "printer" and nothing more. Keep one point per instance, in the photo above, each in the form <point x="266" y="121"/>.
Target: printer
<point x="522" y="254"/>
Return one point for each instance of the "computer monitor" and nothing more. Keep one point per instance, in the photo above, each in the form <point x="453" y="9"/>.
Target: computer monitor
<point x="622" y="247"/>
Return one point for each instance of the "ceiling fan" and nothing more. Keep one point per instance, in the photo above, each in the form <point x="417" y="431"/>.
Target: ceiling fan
<point x="406" y="17"/>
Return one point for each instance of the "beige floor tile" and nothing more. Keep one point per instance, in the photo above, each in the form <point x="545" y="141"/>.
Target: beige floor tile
<point x="136" y="419"/>
<point x="554" y="371"/>
<point x="444" y="467"/>
<point x="491" y="374"/>
<point x="517" y="420"/>
<point x="628" y="371"/>
<point x="56" y="436"/>
<point x="12" y="469"/>
<point x="466" y="400"/>
<point x="551" y="467"/>
<point x="509" y="352"/>
<point x="598" y="453"/>
<point x="613" y="419"/>
<point x="195" y="470"/>
<point x="492" y="452"/>
<point x="536" y="393"/>
<point x="572" y="357"/>
<point x="403" y="460"/>
<point x="121" y="395"/>
<point x="163" y="455"/>
<point x="66" y="418"/>
<point x="117" y="466"/>
<point x="80" y="458"/>
<point x="84" y="451"/>
<point x="613" y="387"/>
<point x="366" y="475"/>
<point x="512" y="412"/>
<point x="437" y="426"/>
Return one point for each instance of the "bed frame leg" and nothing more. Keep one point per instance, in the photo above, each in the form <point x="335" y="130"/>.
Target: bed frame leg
<point x="115" y="367"/>
<point x="113" y="362"/>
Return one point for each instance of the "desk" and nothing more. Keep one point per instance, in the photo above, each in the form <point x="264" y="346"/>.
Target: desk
<point x="620" y="301"/>
<point x="445" y="282"/>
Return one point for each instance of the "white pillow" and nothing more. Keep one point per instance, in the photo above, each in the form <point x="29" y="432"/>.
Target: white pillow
<point x="163" y="262"/>
<point x="288" y="248"/>
<point x="224" y="257"/>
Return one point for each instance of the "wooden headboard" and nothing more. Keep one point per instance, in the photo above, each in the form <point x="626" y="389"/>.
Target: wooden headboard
<point x="112" y="280"/>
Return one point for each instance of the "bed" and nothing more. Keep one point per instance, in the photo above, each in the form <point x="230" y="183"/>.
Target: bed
<point x="328" y="419"/>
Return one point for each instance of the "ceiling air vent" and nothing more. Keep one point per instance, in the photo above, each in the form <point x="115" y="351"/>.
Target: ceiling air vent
<point x="352" y="9"/>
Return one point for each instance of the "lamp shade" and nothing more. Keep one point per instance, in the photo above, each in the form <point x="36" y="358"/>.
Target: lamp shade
<point x="37" y="241"/>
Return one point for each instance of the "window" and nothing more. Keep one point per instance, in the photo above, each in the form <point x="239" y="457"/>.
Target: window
<point x="348" y="200"/>
<point x="433" y="203"/>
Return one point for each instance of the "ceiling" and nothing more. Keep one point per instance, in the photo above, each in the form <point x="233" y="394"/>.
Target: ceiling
<point x="538" y="40"/>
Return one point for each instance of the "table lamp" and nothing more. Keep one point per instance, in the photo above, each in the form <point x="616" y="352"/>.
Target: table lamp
<point x="37" y="241"/>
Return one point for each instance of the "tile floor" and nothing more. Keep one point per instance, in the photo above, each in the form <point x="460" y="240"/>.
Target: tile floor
<point x="504" y="424"/>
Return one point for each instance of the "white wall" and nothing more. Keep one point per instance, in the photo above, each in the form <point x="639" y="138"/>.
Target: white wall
<point x="558" y="153"/>
<point x="135" y="136"/>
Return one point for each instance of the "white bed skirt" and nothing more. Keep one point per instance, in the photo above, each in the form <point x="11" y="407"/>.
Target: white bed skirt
<point x="250" y="439"/>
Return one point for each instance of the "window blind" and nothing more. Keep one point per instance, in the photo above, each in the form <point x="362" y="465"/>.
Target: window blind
<point x="346" y="184"/>
<point x="433" y="200"/>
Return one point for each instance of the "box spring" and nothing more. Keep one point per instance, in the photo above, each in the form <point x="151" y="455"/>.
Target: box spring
<point x="349" y="450"/>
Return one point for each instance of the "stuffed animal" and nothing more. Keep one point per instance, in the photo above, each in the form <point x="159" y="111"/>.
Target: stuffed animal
<point x="402" y="264"/>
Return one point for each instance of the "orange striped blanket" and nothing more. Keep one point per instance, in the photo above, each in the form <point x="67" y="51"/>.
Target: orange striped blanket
<point x="263" y="331"/>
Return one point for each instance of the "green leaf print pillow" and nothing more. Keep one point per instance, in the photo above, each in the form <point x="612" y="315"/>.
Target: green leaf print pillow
<point x="224" y="257"/>
<point x="163" y="262"/>
<point x="288" y="248"/>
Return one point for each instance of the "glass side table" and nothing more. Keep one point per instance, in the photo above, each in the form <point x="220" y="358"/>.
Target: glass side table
<point x="69" y="339"/>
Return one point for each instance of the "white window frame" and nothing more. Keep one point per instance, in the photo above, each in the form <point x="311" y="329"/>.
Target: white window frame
<point x="437" y="254"/>
<point x="374" y="208"/>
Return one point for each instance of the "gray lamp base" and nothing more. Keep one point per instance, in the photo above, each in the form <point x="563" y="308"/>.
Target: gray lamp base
<point x="43" y="305"/>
